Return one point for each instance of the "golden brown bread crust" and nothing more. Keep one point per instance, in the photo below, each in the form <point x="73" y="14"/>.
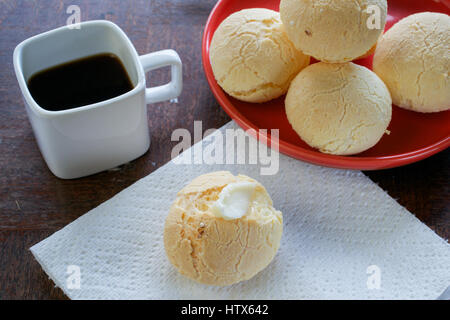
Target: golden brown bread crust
<point x="413" y="59"/>
<point x="251" y="56"/>
<point x="338" y="108"/>
<point x="215" y="251"/>
<point x="332" y="31"/>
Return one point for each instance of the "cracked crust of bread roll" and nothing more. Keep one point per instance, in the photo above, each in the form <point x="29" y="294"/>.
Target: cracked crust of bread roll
<point x="213" y="250"/>
<point x="339" y="109"/>
<point x="333" y="30"/>
<point x="413" y="59"/>
<point x="252" y="58"/>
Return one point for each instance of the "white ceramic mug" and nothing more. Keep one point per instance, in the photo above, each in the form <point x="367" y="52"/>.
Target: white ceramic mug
<point x="89" y="139"/>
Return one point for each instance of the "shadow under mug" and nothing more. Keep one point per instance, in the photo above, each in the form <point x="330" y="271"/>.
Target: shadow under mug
<point x="89" y="139"/>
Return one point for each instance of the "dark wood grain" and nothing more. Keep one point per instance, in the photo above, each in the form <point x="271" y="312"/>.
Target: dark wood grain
<point x="34" y="204"/>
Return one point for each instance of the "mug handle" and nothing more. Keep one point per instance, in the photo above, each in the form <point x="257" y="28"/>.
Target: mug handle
<point x="159" y="59"/>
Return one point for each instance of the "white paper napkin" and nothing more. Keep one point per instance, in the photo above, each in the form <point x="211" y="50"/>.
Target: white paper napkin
<point x="344" y="238"/>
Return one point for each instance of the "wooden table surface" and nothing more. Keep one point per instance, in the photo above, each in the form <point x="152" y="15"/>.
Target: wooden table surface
<point x="34" y="203"/>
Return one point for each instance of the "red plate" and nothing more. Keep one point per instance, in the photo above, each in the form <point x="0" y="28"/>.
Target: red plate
<point x="414" y="136"/>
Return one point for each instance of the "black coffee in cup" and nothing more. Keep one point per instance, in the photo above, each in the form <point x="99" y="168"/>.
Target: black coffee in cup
<point x="80" y="82"/>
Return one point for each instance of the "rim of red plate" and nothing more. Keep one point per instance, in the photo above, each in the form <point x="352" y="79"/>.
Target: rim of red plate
<point x="315" y="157"/>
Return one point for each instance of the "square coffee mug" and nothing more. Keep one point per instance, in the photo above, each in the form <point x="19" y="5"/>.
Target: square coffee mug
<point x="89" y="139"/>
